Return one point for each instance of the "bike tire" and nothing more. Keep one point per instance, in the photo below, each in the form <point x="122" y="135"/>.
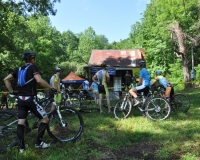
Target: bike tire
<point x="157" y="108"/>
<point x="122" y="109"/>
<point x="8" y="130"/>
<point x="181" y="103"/>
<point x="73" y="128"/>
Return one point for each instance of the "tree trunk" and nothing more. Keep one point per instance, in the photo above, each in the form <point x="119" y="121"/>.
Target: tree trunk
<point x="182" y="52"/>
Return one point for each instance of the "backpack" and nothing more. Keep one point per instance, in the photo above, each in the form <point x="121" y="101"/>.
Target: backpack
<point x="22" y="76"/>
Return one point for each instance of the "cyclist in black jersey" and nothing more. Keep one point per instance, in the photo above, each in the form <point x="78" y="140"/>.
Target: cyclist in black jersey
<point x="27" y="99"/>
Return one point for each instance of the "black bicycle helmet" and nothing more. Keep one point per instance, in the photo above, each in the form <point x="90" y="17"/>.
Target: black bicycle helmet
<point x="142" y="63"/>
<point x="103" y="65"/>
<point x="58" y="69"/>
<point x="27" y="56"/>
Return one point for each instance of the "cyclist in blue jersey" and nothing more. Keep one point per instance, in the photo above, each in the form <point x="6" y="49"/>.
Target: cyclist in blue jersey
<point x="143" y="83"/>
<point x="94" y="87"/>
<point x="169" y="90"/>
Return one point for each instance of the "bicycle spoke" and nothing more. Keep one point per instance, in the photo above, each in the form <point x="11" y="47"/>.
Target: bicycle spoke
<point x="158" y="109"/>
<point x="122" y="109"/>
<point x="69" y="129"/>
<point x="8" y="127"/>
<point x="180" y="103"/>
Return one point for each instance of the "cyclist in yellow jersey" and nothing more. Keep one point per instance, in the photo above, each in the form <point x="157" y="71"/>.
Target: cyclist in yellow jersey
<point x="102" y="78"/>
<point x="55" y="83"/>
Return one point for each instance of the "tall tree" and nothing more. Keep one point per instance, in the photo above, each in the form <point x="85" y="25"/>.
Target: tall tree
<point x="159" y="16"/>
<point x="27" y="7"/>
<point x="88" y="40"/>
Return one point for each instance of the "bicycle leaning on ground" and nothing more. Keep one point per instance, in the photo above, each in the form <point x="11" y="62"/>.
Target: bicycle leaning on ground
<point x="86" y="97"/>
<point x="66" y="126"/>
<point x="155" y="108"/>
<point x="179" y="102"/>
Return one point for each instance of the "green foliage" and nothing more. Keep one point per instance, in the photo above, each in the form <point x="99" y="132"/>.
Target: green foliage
<point x="153" y="36"/>
<point x="27" y="7"/>
<point x="197" y="71"/>
<point x="75" y="67"/>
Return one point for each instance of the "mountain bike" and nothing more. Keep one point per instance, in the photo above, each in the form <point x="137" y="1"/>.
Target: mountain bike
<point x="66" y="126"/>
<point x="86" y="97"/>
<point x="70" y="99"/>
<point x="179" y="102"/>
<point x="156" y="108"/>
<point x="87" y="103"/>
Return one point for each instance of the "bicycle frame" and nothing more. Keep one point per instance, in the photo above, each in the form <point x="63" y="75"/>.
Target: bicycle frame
<point x="152" y="107"/>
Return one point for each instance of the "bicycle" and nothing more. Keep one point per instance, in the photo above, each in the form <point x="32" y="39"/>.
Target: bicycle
<point x="156" y="108"/>
<point x="66" y="126"/>
<point x="86" y="97"/>
<point x="70" y="98"/>
<point x="178" y="102"/>
<point x="87" y="103"/>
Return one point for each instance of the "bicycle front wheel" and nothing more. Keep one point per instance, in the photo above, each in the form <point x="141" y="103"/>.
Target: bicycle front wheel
<point x="8" y="130"/>
<point x="157" y="108"/>
<point x="122" y="108"/>
<point x="180" y="103"/>
<point x="67" y="129"/>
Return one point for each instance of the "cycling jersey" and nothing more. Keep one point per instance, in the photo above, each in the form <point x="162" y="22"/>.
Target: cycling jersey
<point x="86" y="85"/>
<point x="145" y="75"/>
<point x="56" y="78"/>
<point x="163" y="81"/>
<point x="30" y="89"/>
<point x="144" y="87"/>
<point x="102" y="78"/>
<point x="94" y="86"/>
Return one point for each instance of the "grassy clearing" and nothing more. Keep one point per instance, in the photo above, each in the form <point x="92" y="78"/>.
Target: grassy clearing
<point x="133" y="138"/>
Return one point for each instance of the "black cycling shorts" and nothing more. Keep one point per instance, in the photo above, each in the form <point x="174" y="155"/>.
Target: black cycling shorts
<point x="26" y="103"/>
<point x="145" y="90"/>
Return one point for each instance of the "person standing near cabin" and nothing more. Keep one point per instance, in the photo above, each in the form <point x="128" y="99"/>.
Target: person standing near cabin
<point x="94" y="87"/>
<point x="27" y="99"/>
<point x="102" y="78"/>
<point x="55" y="83"/>
<point x="128" y="80"/>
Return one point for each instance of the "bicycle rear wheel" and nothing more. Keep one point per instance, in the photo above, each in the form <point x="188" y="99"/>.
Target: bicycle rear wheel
<point x="157" y="108"/>
<point x="73" y="125"/>
<point x="122" y="108"/>
<point x="180" y="103"/>
<point x="8" y="130"/>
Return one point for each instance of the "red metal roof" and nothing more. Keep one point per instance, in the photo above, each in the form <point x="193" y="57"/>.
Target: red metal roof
<point x="120" y="58"/>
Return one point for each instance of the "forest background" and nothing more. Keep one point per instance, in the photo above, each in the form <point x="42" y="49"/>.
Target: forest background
<point x="168" y="32"/>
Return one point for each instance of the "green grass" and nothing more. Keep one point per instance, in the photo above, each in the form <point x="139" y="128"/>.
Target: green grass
<point x="133" y="138"/>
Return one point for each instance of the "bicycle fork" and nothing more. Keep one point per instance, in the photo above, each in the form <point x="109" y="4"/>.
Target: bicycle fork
<point x="60" y="116"/>
<point x="124" y="103"/>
